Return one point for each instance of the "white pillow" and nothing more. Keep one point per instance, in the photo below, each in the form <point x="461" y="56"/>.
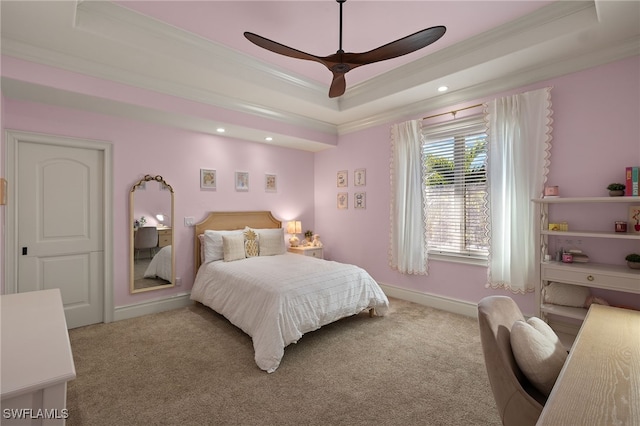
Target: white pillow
<point x="539" y="358"/>
<point x="546" y="330"/>
<point x="233" y="247"/>
<point x="213" y="249"/>
<point x="271" y="241"/>
<point x="566" y="294"/>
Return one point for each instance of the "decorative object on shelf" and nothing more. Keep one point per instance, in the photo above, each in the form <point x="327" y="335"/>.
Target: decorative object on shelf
<point x="316" y="241"/>
<point x="633" y="260"/>
<point x="360" y="177"/>
<point x="360" y="200"/>
<point x="270" y="183"/>
<point x="342" y="179"/>
<point x="308" y="235"/>
<point x="242" y="181"/>
<point x="343" y="200"/>
<point x="616" y="189"/>
<point x="294" y="227"/>
<point x="208" y="179"/>
<point x="551" y="191"/>
<point x="634" y="219"/>
<point x="632" y="177"/>
<point x="621" y="226"/>
<point x="562" y="226"/>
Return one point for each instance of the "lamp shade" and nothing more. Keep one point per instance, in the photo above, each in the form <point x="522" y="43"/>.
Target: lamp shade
<point x="294" y="227"/>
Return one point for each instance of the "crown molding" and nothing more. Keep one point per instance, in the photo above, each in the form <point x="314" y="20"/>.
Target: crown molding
<point x="531" y="75"/>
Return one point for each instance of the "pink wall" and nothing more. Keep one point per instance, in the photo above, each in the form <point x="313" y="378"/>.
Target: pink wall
<point x="596" y="134"/>
<point x="177" y="155"/>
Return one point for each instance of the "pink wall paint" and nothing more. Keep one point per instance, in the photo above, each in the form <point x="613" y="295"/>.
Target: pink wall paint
<point x="177" y="155"/>
<point x="596" y="135"/>
<point x="594" y="110"/>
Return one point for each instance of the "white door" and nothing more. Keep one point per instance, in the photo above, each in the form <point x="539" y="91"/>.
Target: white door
<point x="60" y="216"/>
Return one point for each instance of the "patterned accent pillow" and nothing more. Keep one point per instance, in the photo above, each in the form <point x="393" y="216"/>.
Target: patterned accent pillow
<point x="271" y="241"/>
<point x="233" y="247"/>
<point x="251" y="247"/>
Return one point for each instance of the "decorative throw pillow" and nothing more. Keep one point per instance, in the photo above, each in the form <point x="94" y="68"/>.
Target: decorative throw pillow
<point x="233" y="247"/>
<point x="271" y="241"/>
<point x="539" y="358"/>
<point x="251" y="247"/>
<point x="566" y="294"/>
<point x="213" y="249"/>
<point x="546" y="330"/>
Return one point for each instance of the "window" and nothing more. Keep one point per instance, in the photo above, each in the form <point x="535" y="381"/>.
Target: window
<point x="455" y="184"/>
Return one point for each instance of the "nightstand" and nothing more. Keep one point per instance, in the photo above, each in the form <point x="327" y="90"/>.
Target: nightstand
<point x="307" y="251"/>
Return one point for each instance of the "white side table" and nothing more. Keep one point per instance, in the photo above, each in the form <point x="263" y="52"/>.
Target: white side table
<point x="36" y="360"/>
<point x="307" y="251"/>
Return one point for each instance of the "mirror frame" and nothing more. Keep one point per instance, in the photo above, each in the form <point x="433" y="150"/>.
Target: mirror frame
<point x="137" y="185"/>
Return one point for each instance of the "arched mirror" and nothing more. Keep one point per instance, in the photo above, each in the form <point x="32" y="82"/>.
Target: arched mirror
<point x="152" y="258"/>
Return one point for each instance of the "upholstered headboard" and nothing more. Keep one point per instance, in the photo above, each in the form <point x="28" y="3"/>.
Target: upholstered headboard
<point x="221" y="221"/>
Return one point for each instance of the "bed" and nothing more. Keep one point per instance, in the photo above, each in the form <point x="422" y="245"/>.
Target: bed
<point x="274" y="297"/>
<point x="160" y="265"/>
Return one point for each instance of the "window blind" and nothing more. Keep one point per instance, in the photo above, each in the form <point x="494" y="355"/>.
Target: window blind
<point x="455" y="184"/>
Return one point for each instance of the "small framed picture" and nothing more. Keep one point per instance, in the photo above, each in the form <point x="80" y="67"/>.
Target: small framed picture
<point x="360" y="177"/>
<point x="242" y="181"/>
<point x="634" y="220"/>
<point x="360" y="200"/>
<point x="343" y="200"/>
<point x="208" y="179"/>
<point x="342" y="179"/>
<point x="270" y="183"/>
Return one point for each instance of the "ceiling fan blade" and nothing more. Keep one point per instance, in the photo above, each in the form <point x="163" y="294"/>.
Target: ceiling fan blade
<point x="338" y="85"/>
<point x="400" y="47"/>
<point x="281" y="49"/>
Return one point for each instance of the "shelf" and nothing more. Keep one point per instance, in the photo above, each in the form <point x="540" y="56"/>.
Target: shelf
<point x="564" y="311"/>
<point x="577" y="200"/>
<point x="593" y="234"/>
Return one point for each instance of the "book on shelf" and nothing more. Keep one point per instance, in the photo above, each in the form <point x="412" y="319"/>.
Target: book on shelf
<point x="632" y="176"/>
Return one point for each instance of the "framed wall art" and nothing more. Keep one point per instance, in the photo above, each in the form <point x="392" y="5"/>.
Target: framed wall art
<point x="360" y="177"/>
<point x="343" y="200"/>
<point x="242" y="181"/>
<point x="342" y="179"/>
<point x="270" y="183"/>
<point x="360" y="200"/>
<point x="208" y="179"/>
<point x="634" y="220"/>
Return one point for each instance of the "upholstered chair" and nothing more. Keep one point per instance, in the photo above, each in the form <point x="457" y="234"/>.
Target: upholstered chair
<point x="146" y="237"/>
<point x="518" y="402"/>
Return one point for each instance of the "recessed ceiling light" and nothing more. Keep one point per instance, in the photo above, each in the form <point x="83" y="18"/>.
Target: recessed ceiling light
<point x="268" y="139"/>
<point x="220" y="130"/>
<point x="443" y="88"/>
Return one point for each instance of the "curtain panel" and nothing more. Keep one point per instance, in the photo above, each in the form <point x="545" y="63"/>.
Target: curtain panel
<point x="519" y="133"/>
<point x="408" y="244"/>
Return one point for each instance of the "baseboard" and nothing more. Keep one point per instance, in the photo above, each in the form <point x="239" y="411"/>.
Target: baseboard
<point x="438" y="302"/>
<point x="152" y="306"/>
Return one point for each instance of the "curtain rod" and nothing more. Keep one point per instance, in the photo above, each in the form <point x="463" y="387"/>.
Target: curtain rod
<point x="454" y="112"/>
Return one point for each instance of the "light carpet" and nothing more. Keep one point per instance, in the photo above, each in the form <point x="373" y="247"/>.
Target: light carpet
<point x="190" y="366"/>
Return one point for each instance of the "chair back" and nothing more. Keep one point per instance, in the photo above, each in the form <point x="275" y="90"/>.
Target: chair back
<point x="518" y="402"/>
<point x="146" y="238"/>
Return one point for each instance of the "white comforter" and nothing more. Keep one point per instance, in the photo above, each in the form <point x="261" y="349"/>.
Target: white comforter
<point x="160" y="265"/>
<point x="276" y="299"/>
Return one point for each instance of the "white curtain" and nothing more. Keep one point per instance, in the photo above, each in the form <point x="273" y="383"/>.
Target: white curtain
<point x="519" y="132"/>
<point x="408" y="246"/>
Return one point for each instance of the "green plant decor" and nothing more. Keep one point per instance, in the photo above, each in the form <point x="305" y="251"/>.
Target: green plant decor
<point x="616" y="187"/>
<point x="633" y="257"/>
<point x="308" y="233"/>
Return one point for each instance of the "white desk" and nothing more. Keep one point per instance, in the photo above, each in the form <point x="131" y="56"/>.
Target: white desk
<point x="600" y="381"/>
<point x="36" y="360"/>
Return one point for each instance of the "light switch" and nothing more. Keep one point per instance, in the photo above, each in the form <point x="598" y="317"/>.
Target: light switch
<point x="189" y="221"/>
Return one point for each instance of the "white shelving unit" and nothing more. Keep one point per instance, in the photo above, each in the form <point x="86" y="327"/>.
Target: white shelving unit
<point x="593" y="275"/>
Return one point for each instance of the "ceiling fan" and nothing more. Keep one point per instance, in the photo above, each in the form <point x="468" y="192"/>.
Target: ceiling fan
<point x="341" y="62"/>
